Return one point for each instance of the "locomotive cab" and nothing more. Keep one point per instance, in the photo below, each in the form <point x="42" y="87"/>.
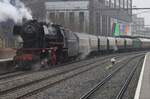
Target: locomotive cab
<point x="54" y="35"/>
<point x="55" y="38"/>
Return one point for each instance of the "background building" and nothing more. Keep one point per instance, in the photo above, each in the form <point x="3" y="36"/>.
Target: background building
<point x="6" y="35"/>
<point x="112" y="16"/>
<point x="139" y="28"/>
<point x="146" y="32"/>
<point x="71" y="14"/>
<point x="37" y="7"/>
<point x="99" y="17"/>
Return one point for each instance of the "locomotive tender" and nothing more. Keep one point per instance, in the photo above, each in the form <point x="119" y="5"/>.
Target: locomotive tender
<point x="39" y="38"/>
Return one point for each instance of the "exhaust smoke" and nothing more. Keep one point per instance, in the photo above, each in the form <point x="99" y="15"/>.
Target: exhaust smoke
<point x="13" y="11"/>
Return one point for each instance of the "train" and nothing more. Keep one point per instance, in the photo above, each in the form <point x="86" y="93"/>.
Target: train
<point x="53" y="44"/>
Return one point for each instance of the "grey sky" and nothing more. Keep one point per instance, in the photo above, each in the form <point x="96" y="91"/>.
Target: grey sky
<point x="143" y="3"/>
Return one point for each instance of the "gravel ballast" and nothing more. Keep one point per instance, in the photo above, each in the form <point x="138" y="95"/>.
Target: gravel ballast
<point x="73" y="84"/>
<point x="74" y="88"/>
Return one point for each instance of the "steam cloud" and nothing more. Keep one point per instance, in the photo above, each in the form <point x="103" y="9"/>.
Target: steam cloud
<point x="15" y="12"/>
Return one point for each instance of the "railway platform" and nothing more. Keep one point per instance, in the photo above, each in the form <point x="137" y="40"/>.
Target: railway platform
<point x="6" y="53"/>
<point x="6" y="57"/>
<point x="143" y="88"/>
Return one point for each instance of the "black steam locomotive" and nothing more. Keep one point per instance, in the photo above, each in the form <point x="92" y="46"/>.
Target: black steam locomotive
<point x="40" y="40"/>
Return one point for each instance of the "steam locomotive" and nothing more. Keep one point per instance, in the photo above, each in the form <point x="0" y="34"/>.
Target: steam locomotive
<point x="39" y="39"/>
<point x="56" y="44"/>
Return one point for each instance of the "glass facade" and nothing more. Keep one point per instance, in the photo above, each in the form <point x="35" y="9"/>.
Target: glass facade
<point x="81" y="21"/>
<point x="112" y="5"/>
<point x="71" y="20"/>
<point x="117" y="3"/>
<point x="121" y="3"/>
<point x="125" y="3"/>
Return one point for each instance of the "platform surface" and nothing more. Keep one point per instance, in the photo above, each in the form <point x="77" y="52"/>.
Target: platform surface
<point x="143" y="88"/>
<point x="7" y="53"/>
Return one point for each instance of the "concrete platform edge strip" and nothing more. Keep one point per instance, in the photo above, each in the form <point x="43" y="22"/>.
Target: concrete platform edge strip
<point x="5" y="60"/>
<point x="138" y="89"/>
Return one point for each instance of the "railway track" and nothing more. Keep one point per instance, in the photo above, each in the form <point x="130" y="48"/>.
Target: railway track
<point x="108" y="77"/>
<point x="54" y="79"/>
<point x="14" y="73"/>
<point x="127" y="82"/>
<point x="11" y="74"/>
<point x="27" y="89"/>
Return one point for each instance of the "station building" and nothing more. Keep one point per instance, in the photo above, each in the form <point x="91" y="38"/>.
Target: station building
<point x="99" y="17"/>
<point x="139" y="28"/>
<point x="1" y="40"/>
<point x="6" y="35"/>
<point x="37" y="8"/>
<point x="71" y="14"/>
<point x="137" y="25"/>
